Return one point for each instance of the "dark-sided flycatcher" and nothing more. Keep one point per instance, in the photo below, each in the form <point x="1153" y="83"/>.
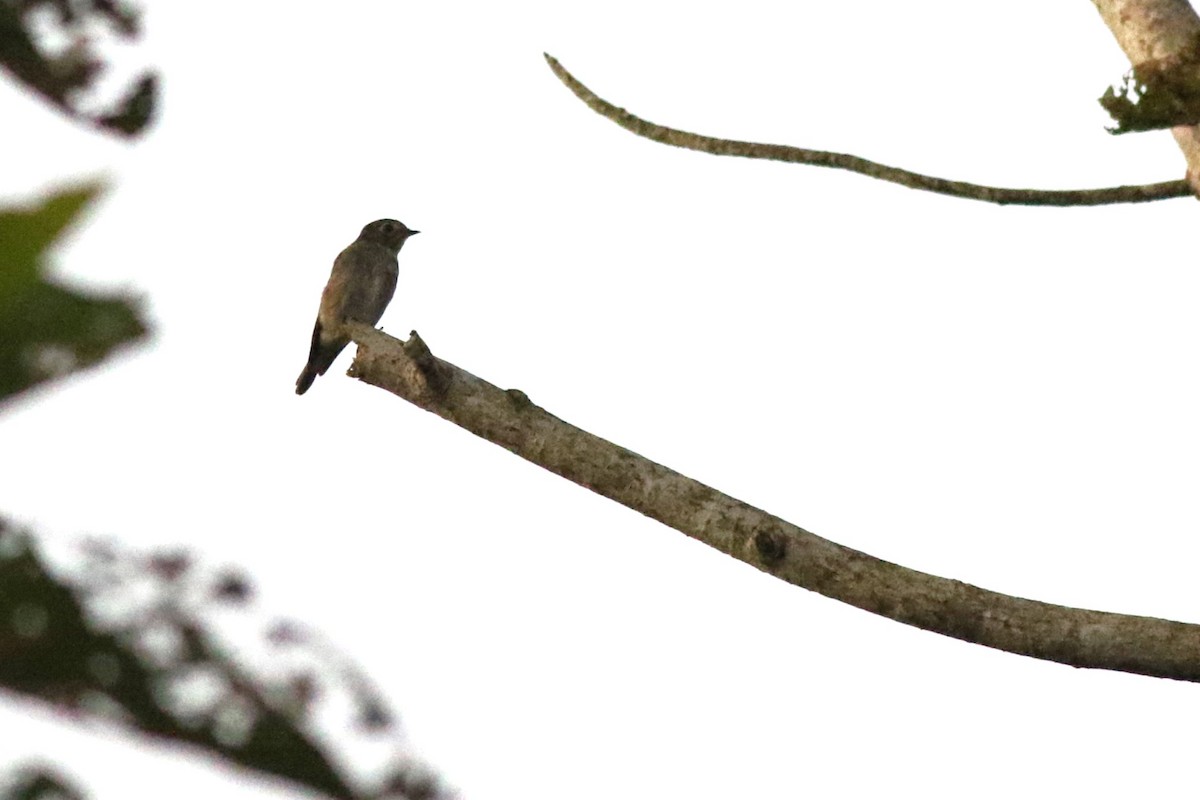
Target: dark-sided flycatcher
<point x="360" y="287"/>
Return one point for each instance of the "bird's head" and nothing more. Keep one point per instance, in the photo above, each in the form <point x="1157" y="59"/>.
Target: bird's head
<point x="388" y="232"/>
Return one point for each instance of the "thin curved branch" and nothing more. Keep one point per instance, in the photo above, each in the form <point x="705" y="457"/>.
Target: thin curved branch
<point x="1080" y="638"/>
<point x="822" y="158"/>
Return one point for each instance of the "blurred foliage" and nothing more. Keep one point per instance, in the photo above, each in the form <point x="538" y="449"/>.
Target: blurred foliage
<point x="48" y="330"/>
<point x="63" y="75"/>
<point x="128" y="639"/>
<point x="124" y="639"/>
<point x="37" y="782"/>
<point x="1157" y="94"/>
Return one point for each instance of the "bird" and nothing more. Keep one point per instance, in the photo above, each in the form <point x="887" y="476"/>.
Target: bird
<point x="360" y="287"/>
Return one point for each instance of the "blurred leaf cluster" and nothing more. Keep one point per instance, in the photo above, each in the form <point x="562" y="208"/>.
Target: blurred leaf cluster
<point x="50" y="47"/>
<point x="130" y="640"/>
<point x="47" y="329"/>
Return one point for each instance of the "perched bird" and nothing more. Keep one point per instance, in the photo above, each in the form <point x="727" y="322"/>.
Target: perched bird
<point x="360" y="287"/>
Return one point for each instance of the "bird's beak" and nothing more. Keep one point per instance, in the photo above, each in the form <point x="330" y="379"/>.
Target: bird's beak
<point x="413" y="233"/>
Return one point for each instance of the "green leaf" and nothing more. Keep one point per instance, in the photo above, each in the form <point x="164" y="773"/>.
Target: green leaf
<point x="25" y="235"/>
<point x="47" y="329"/>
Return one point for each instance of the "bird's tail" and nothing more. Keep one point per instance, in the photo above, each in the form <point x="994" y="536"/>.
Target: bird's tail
<point x="321" y="354"/>
<point x="305" y="380"/>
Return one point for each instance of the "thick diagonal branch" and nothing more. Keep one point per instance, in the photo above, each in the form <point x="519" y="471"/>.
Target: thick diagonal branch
<point x="1158" y="30"/>
<point x="823" y="158"/>
<point x="1077" y="637"/>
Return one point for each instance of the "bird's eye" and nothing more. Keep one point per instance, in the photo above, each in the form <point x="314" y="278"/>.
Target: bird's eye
<point x="387" y="227"/>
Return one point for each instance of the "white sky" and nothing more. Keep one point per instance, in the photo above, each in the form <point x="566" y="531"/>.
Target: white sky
<point x="1004" y="396"/>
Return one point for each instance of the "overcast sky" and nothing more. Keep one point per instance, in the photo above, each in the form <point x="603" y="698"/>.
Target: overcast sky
<point x="1004" y="396"/>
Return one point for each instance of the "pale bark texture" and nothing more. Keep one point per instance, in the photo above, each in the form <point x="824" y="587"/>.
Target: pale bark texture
<point x="1077" y="637"/>
<point x="1158" y="30"/>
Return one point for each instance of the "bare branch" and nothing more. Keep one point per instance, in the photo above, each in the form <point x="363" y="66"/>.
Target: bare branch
<point x="823" y="158"/>
<point x="1077" y="637"/>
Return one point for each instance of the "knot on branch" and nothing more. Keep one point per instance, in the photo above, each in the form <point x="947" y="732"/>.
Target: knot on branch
<point x="771" y="545"/>
<point x="423" y="369"/>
